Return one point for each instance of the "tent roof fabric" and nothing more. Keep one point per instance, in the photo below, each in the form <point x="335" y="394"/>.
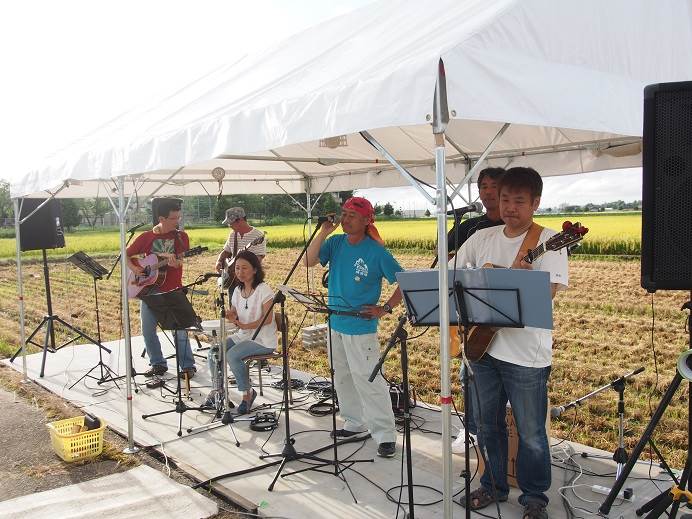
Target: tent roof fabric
<point x="568" y="76"/>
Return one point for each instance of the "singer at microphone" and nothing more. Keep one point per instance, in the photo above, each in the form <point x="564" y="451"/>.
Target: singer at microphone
<point x="488" y="182"/>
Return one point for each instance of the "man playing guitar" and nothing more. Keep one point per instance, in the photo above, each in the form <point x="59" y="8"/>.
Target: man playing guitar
<point x="166" y="241"/>
<point x="517" y="364"/>
<point x="242" y="237"/>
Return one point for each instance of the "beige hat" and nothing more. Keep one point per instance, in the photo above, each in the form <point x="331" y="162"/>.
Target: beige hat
<point x="233" y="214"/>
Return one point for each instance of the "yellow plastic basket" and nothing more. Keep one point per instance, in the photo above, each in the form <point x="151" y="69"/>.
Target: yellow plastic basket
<point x="73" y="444"/>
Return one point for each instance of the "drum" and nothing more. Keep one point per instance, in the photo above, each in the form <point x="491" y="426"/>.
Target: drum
<point x="213" y="325"/>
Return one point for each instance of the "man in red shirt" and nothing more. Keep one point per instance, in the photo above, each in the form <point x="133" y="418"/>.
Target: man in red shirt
<point x="166" y="241"/>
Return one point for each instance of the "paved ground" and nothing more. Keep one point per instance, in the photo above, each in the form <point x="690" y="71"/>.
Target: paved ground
<point x="27" y="461"/>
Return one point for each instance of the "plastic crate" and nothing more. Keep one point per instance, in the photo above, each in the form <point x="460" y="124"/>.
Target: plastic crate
<point x="73" y="444"/>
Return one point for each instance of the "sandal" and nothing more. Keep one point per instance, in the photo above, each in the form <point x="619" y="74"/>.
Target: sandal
<point x="481" y="497"/>
<point x="535" y="510"/>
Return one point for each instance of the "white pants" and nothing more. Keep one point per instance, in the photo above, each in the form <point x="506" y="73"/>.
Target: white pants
<point x="362" y="404"/>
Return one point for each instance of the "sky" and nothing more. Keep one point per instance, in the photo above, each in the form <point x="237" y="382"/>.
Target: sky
<point x="72" y="65"/>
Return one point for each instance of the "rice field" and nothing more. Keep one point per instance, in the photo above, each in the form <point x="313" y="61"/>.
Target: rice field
<point x="617" y="234"/>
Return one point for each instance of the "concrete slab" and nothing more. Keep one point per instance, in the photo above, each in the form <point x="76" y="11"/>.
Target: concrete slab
<point x="358" y="491"/>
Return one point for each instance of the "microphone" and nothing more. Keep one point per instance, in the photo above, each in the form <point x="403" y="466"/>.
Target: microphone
<point x="133" y="229"/>
<point x="331" y="218"/>
<point x="207" y="276"/>
<point x="557" y="411"/>
<point x="476" y="207"/>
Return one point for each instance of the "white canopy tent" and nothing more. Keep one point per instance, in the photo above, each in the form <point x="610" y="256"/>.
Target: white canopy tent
<point x="554" y="85"/>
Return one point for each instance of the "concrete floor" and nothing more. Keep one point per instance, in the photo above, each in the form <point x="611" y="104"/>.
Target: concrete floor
<point x="359" y="490"/>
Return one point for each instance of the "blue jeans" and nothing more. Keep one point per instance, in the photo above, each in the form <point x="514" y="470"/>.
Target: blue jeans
<point x="527" y="390"/>
<point x="235" y="353"/>
<point x="153" y="345"/>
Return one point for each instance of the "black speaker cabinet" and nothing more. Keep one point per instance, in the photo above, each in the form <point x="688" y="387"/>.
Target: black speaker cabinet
<point x="44" y="229"/>
<point x="667" y="187"/>
<point x="156" y="206"/>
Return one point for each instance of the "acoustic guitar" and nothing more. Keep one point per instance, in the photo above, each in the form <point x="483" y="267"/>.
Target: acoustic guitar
<point x="480" y="337"/>
<point x="228" y="281"/>
<point x="154" y="273"/>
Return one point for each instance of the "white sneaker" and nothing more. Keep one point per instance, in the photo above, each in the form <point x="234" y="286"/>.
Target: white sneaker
<point x="458" y="444"/>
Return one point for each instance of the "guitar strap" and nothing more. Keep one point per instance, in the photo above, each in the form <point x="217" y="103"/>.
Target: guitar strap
<point x="530" y="240"/>
<point x="235" y="243"/>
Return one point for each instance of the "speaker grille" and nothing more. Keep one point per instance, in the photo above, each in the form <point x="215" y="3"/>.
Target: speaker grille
<point x="667" y="187"/>
<point x="672" y="216"/>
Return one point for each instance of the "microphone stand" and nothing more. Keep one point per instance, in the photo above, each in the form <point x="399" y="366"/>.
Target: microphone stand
<point x="620" y="454"/>
<point x="400" y="335"/>
<point x="131" y="231"/>
<point x="289" y="452"/>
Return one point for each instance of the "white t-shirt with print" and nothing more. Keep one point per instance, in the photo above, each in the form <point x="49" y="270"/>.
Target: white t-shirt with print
<point x="262" y="293"/>
<point x="530" y="347"/>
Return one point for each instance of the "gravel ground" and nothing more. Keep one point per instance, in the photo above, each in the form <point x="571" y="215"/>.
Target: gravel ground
<point x="27" y="461"/>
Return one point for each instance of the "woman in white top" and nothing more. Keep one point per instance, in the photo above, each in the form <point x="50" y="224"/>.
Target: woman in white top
<point x="250" y="301"/>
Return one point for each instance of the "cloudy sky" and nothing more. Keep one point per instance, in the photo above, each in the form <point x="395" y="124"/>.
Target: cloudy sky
<point x="70" y="66"/>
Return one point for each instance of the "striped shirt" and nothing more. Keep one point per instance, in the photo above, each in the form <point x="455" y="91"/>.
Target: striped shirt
<point x="243" y="240"/>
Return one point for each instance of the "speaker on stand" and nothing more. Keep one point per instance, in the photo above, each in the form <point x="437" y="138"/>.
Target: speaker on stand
<point x="43" y="230"/>
<point x="666" y="262"/>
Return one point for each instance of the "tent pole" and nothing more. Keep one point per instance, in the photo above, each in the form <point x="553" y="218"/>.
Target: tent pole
<point x="122" y="211"/>
<point x="439" y="125"/>
<point x="20" y="285"/>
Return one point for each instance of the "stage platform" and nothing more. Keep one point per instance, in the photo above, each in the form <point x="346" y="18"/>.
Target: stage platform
<point x="360" y="491"/>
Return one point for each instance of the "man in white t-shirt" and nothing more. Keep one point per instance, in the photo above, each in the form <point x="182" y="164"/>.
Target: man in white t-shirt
<point x="517" y="364"/>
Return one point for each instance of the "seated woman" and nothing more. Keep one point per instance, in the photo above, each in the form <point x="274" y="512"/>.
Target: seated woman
<point x="250" y="301"/>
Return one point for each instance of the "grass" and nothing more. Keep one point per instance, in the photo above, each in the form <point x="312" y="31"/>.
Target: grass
<point x="618" y="234"/>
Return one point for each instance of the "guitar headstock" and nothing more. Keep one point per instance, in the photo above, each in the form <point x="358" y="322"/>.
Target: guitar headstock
<point x="194" y="251"/>
<point x="571" y="234"/>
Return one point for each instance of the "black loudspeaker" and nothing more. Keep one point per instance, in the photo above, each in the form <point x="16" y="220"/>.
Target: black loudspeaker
<point x="44" y="229"/>
<point x="156" y="206"/>
<point x="667" y="187"/>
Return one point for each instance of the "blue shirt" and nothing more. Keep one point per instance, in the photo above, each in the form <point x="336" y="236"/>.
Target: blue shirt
<point x="355" y="279"/>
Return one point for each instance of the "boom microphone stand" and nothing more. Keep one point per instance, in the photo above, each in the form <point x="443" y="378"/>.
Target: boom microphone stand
<point x="680" y="491"/>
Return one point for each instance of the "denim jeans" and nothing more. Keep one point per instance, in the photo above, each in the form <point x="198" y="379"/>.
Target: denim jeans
<point x="153" y="345"/>
<point x="235" y="353"/>
<point x="527" y="391"/>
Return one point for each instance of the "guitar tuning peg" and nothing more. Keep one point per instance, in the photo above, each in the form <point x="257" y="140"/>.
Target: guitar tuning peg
<point x="566" y="225"/>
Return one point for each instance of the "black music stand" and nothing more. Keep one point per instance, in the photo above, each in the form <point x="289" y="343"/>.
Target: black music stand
<point x="500" y="298"/>
<point x="174" y="312"/>
<point x="92" y="267"/>
<point x="49" y="321"/>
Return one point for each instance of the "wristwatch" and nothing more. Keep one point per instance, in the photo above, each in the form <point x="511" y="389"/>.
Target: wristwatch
<point x="387" y="308"/>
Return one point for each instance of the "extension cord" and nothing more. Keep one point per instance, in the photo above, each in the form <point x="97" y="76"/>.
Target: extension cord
<point x="626" y="494"/>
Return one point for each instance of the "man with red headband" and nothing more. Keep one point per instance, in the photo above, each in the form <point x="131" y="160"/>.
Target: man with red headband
<point x="357" y="263"/>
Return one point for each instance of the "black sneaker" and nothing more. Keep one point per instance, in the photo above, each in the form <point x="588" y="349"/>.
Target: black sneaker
<point x="343" y="433"/>
<point x="386" y="449"/>
<point x="156" y="370"/>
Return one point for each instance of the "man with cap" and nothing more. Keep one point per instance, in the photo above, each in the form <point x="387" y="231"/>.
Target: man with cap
<point x="358" y="262"/>
<point x="242" y="235"/>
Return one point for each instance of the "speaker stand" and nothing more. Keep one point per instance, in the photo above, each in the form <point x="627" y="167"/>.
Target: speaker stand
<point x="49" y="321"/>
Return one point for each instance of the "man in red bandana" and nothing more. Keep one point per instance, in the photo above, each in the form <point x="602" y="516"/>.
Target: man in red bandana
<point x="358" y="262"/>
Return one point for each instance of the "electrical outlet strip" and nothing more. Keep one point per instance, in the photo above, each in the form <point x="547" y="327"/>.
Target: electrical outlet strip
<point x="623" y="494"/>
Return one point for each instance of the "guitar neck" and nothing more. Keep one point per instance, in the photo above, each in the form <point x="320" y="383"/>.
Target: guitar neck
<point x="536" y="253"/>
